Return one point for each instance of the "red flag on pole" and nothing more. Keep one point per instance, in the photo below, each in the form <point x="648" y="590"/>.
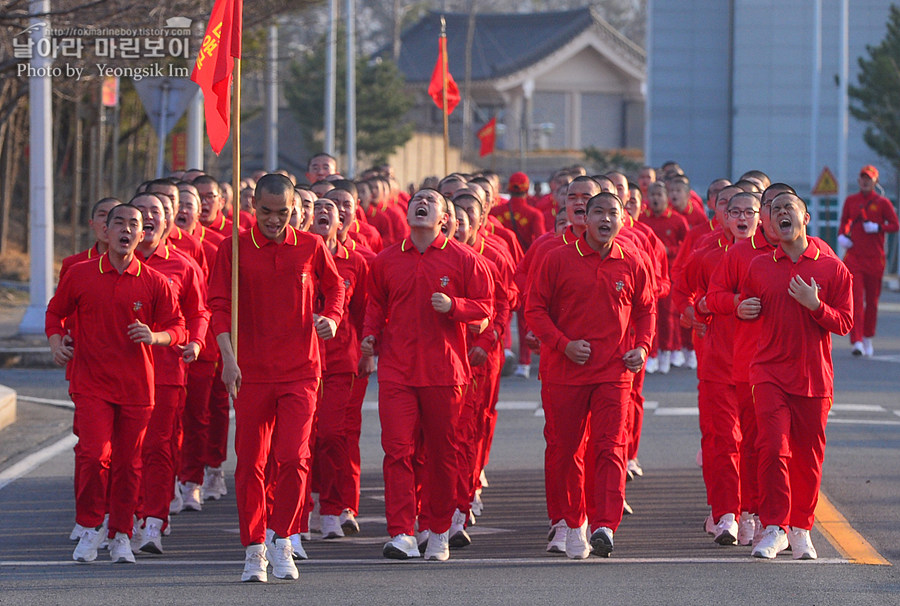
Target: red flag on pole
<point x="436" y="87"/>
<point x="487" y="134"/>
<point x="215" y="65"/>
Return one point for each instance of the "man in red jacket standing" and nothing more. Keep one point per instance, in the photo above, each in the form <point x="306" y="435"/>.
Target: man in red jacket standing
<point x="864" y="221"/>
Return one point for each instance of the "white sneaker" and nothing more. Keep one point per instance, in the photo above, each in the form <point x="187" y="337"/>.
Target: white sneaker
<point x="726" y="530"/>
<point x="746" y="528"/>
<point x="758" y="531"/>
<point x="602" y="542"/>
<point x="801" y="544"/>
<point x="86" y="550"/>
<point x="691" y="359"/>
<point x="190" y="494"/>
<point x="482" y="479"/>
<point x="577" y="546"/>
<point x="858" y="349"/>
<point x="331" y="527"/>
<point x="523" y="371"/>
<point x="213" y="484"/>
<point x="348" y="523"/>
<point x="459" y="538"/>
<point x="709" y="525"/>
<point x="255" y="564"/>
<point x="282" y="556"/>
<point x="476" y="507"/>
<point x="137" y="535"/>
<point x="665" y="361"/>
<point x="438" y="549"/>
<point x="401" y="547"/>
<point x="315" y="516"/>
<point x="678" y="358"/>
<point x="634" y="466"/>
<point x="297" y="546"/>
<point x="76" y="533"/>
<point x="152" y="536"/>
<point x="652" y="365"/>
<point x="176" y="505"/>
<point x="422" y="539"/>
<point x="868" y="350"/>
<point x="120" y="549"/>
<point x="556" y="539"/>
<point x="626" y="509"/>
<point x="774" y="541"/>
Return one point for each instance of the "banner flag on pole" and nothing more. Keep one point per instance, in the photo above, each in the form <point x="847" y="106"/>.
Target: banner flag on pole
<point x="215" y="65"/>
<point x="436" y="87"/>
<point x="487" y="134"/>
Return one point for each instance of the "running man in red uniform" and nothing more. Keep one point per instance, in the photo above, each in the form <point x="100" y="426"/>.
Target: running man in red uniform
<point x="799" y="296"/>
<point x="423" y="292"/>
<point x="582" y="304"/>
<point x="117" y="302"/>
<point x="275" y="379"/>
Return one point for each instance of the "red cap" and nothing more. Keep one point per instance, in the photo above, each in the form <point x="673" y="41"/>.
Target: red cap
<point x="869" y="171"/>
<point x="518" y="183"/>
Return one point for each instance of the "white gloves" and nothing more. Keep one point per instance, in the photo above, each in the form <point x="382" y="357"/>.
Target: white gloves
<point x="844" y="241"/>
<point x="871" y="227"/>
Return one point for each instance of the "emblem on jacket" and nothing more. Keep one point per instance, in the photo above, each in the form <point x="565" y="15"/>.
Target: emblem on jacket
<point x="346" y="284"/>
<point x="445" y="281"/>
<point x="137" y="306"/>
<point x="620" y="285"/>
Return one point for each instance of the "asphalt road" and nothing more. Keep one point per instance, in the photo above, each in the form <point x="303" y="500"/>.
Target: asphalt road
<point x="661" y="556"/>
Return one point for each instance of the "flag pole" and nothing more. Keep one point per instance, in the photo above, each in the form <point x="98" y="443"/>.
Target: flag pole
<point x="444" y="76"/>
<point x="235" y="208"/>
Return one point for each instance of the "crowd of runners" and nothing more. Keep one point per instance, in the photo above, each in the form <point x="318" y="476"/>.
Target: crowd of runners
<point x="606" y="278"/>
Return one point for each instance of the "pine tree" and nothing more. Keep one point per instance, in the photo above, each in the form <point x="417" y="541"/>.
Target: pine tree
<point x="877" y="98"/>
<point x="381" y="103"/>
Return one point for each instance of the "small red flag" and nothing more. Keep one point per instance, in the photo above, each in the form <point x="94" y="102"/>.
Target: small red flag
<point x="436" y="87"/>
<point x="215" y="66"/>
<point x="487" y="134"/>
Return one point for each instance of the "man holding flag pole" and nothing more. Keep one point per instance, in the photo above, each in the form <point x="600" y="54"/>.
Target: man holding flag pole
<point x="275" y="274"/>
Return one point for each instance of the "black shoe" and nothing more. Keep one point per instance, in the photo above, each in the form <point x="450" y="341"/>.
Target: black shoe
<point x="602" y="543"/>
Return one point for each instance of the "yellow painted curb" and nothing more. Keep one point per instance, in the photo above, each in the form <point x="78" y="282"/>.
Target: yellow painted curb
<point x="843" y="537"/>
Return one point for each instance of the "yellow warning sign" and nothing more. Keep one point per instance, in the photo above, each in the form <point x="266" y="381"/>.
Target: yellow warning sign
<point x="826" y="184"/>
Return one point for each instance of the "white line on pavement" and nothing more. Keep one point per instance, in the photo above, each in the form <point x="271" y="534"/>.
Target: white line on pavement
<point x="862" y="422"/>
<point x="677" y="411"/>
<point x="34" y="460"/>
<point x="858" y="408"/>
<point x="57" y="403"/>
<point x="460" y="561"/>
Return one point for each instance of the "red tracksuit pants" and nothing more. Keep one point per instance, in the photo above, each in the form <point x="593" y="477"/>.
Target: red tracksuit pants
<point x="108" y="461"/>
<point x="405" y="411"/>
<point x="635" y="415"/>
<point x="159" y="452"/>
<point x="749" y="456"/>
<point x="866" y="290"/>
<point x="570" y="411"/>
<point x="196" y="420"/>
<point x="791" y="447"/>
<point x="274" y="417"/>
<point x="491" y="393"/>
<point x="720" y="442"/>
<point x="338" y="423"/>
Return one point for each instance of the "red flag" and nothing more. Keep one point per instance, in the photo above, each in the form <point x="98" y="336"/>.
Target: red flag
<point x="436" y="87"/>
<point x="215" y="66"/>
<point x="487" y="134"/>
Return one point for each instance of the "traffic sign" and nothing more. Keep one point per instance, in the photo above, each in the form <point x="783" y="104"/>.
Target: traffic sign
<point x="826" y="184"/>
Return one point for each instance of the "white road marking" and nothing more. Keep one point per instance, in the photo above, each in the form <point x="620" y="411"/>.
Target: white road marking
<point x="58" y="403"/>
<point x="35" y="460"/>
<point x="651" y="405"/>
<point x="677" y="411"/>
<point x="862" y="422"/>
<point x="548" y="560"/>
<point x="858" y="408"/>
